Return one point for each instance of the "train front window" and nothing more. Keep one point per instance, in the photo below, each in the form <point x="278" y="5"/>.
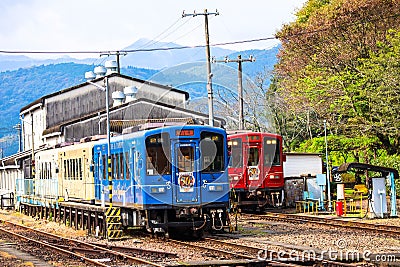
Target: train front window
<point x="271" y="151"/>
<point x="185" y="159"/>
<point x="158" y="153"/>
<point x="253" y="157"/>
<point x="212" y="152"/>
<point x="235" y="153"/>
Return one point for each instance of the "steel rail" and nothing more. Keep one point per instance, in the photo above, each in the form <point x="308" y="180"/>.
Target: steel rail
<point x="69" y="253"/>
<point x="94" y="247"/>
<point x="267" y="262"/>
<point x="212" y="249"/>
<point x="380" y="228"/>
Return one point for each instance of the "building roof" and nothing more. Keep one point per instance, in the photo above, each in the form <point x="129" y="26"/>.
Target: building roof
<point x="302" y="154"/>
<point x="59" y="127"/>
<point x="41" y="100"/>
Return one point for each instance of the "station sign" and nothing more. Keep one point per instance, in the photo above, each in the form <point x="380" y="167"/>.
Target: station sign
<point x="337" y="177"/>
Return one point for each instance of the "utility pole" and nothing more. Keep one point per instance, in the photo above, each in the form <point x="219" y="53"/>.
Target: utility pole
<point x="209" y="74"/>
<point x="239" y="60"/>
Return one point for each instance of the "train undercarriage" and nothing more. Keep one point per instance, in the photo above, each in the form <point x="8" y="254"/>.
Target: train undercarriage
<point x="257" y="199"/>
<point x="110" y="223"/>
<point x="182" y="221"/>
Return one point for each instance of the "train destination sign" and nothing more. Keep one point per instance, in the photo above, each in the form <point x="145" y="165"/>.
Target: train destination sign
<point x="189" y="132"/>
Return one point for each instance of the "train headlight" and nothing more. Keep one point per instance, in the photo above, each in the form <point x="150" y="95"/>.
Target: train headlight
<point x="272" y="176"/>
<point x="215" y="188"/>
<point x="158" y="190"/>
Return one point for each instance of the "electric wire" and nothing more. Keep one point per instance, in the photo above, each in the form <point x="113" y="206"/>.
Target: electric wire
<point x="199" y="46"/>
<point x="131" y="50"/>
<point x="154" y="40"/>
<point x="187" y="33"/>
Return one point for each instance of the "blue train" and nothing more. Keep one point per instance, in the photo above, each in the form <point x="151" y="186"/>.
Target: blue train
<point x="163" y="179"/>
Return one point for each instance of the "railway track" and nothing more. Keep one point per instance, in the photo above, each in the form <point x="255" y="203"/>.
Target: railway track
<point x="377" y="228"/>
<point x="235" y="255"/>
<point x="73" y="251"/>
<point x="281" y="256"/>
<point x="252" y="256"/>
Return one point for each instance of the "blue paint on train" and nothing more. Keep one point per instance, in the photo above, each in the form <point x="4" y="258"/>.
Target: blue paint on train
<point x="171" y="166"/>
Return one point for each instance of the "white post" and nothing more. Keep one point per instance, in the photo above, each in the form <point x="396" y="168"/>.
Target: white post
<point x="328" y="184"/>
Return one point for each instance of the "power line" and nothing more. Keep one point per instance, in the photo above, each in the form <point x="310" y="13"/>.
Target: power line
<point x="133" y="50"/>
<point x="154" y="40"/>
<point x="197" y="46"/>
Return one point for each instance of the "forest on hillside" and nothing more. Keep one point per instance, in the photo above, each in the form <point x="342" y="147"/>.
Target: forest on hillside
<point x="339" y="63"/>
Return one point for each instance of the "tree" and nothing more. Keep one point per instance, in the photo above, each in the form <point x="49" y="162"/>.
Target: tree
<point x="333" y="64"/>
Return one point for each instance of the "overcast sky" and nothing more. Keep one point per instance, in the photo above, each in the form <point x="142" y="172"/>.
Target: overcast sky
<point x="100" y="25"/>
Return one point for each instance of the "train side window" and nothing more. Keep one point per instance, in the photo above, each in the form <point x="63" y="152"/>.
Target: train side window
<point x="105" y="163"/>
<point x="65" y="169"/>
<point x="121" y="166"/>
<point x="212" y="152"/>
<point x="158" y="153"/>
<point x="68" y="170"/>
<point x="80" y="169"/>
<point x="74" y="169"/>
<point x="113" y="166"/>
<point x="127" y="166"/>
<point x="71" y="169"/>
<point x="116" y="166"/>
<point x="98" y="167"/>
<point x="39" y="170"/>
<point x="272" y="151"/>
<point x="236" y="153"/>
<point x="253" y="157"/>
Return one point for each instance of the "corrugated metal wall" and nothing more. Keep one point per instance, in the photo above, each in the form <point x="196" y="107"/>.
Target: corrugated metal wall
<point x="135" y="111"/>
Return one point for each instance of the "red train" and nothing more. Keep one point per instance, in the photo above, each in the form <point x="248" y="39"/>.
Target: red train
<point x="255" y="170"/>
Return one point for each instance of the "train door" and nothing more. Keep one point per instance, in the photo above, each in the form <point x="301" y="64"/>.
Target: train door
<point x="185" y="174"/>
<point x="133" y="174"/>
<point x="101" y="177"/>
<point x="98" y="174"/>
<point x="253" y="165"/>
